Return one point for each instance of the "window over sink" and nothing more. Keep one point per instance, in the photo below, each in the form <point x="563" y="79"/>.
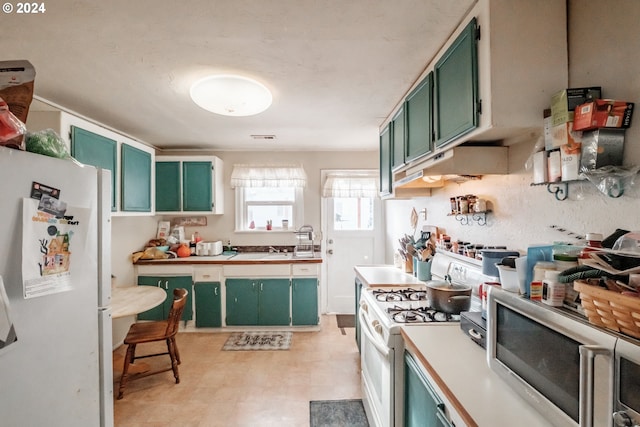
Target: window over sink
<point x="268" y="198"/>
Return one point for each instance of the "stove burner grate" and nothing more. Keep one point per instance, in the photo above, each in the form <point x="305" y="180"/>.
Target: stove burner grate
<point x="400" y="295"/>
<point x="420" y="315"/>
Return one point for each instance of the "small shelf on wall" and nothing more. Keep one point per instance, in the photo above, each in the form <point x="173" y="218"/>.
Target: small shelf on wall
<point x="470" y="218"/>
<point x="559" y="189"/>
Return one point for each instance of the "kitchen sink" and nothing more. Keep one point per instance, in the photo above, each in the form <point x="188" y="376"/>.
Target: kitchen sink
<point x="278" y="255"/>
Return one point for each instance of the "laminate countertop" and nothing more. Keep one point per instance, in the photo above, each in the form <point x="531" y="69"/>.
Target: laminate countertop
<point x="385" y="275"/>
<point x="238" y="259"/>
<point x="459" y="369"/>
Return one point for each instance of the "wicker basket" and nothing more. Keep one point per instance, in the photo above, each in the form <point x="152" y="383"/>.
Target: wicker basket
<point x="610" y="309"/>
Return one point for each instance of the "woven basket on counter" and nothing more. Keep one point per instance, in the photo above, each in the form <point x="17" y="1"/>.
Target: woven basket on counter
<point x="610" y="309"/>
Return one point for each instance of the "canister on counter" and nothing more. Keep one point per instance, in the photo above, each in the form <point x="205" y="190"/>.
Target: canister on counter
<point x="565" y="261"/>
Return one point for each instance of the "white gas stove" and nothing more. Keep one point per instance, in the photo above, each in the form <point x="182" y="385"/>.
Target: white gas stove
<point x="383" y="312"/>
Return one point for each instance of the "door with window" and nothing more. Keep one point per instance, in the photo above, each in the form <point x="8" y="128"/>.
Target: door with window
<point x="353" y="224"/>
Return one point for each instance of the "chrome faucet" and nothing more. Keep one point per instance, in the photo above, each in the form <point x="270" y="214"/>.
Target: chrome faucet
<point x="272" y="249"/>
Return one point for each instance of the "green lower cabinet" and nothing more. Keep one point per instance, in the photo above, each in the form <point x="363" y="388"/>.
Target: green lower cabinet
<point x="241" y="302"/>
<point x="273" y="304"/>
<point x="257" y="302"/>
<point x="304" y="301"/>
<point x="208" y="304"/>
<point x="168" y="283"/>
<point x="422" y="407"/>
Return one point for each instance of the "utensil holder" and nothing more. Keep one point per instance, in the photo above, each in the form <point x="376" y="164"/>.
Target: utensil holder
<point x="408" y="265"/>
<point x="423" y="270"/>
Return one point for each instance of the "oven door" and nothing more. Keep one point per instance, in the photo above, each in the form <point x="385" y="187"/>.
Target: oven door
<point x="377" y="362"/>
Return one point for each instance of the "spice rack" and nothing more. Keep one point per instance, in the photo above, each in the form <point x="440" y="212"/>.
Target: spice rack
<point x="479" y="218"/>
<point x="469" y="209"/>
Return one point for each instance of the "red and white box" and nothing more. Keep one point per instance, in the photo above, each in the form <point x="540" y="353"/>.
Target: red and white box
<point x="603" y="113"/>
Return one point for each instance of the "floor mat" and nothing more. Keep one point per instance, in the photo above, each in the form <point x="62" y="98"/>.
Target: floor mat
<point x="337" y="413"/>
<point x="346" y="320"/>
<point x="250" y="341"/>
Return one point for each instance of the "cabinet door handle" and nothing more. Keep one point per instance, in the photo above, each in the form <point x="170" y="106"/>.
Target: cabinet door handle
<point x="261" y="285"/>
<point x="215" y="291"/>
<point x="158" y="285"/>
<point x="166" y="284"/>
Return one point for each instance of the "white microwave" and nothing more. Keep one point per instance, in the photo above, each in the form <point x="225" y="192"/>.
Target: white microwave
<point x="562" y="366"/>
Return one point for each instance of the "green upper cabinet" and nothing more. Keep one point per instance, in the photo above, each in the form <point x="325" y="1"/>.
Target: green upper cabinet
<point x="197" y="186"/>
<point x="136" y="179"/>
<point x="168" y="186"/>
<point x="397" y="139"/>
<point x="418" y="116"/>
<point x="456" y="87"/>
<point x="189" y="184"/>
<point x="96" y="150"/>
<point x="385" y="162"/>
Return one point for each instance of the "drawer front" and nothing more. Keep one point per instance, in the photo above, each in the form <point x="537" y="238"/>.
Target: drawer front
<point x="304" y="269"/>
<point x="207" y="274"/>
<point x="257" y="270"/>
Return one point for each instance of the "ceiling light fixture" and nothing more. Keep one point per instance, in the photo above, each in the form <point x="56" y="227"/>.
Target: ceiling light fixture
<point x="231" y="95"/>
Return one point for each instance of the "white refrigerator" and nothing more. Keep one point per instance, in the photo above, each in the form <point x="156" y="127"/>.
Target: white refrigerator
<point x="55" y="292"/>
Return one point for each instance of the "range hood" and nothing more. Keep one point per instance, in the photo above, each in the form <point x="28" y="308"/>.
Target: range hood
<point x="452" y="164"/>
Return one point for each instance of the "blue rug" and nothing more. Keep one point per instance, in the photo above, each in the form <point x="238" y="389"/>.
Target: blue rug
<point x="337" y="413"/>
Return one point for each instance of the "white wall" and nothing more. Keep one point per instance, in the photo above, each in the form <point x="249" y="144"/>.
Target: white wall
<point x="602" y="45"/>
<point x="131" y="233"/>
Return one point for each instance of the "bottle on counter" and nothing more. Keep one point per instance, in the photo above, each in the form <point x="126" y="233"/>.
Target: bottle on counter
<point x="552" y="291"/>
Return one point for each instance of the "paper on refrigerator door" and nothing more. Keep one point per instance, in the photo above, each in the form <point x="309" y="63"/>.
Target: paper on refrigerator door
<point x="49" y="246"/>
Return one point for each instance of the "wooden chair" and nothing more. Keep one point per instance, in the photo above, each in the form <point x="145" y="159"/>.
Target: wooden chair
<point x="146" y="332"/>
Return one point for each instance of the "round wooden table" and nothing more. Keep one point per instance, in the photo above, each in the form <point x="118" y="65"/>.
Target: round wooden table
<point x="131" y="300"/>
<point x="127" y="302"/>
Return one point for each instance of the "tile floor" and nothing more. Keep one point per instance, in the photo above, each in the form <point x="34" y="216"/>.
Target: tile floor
<point x="243" y="388"/>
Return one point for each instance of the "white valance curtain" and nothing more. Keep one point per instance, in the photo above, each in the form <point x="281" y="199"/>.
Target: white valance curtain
<point x="268" y="176"/>
<point x="351" y="184"/>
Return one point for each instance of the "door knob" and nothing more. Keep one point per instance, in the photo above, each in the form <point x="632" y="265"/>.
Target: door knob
<point x="330" y="251"/>
<point x="330" y="241"/>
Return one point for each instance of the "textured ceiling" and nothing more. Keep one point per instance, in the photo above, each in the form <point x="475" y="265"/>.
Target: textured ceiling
<point x="336" y="68"/>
